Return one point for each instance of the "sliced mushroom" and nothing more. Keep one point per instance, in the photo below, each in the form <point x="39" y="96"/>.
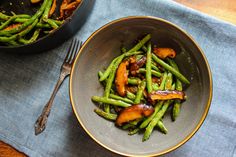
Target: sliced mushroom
<point x="35" y="1"/>
<point x="134" y="112"/>
<point x="164" y="52"/>
<point x="166" y="95"/>
<point x="136" y="65"/>
<point x="121" y="78"/>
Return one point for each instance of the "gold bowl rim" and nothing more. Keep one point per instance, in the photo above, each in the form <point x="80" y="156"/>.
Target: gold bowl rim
<point x="200" y="50"/>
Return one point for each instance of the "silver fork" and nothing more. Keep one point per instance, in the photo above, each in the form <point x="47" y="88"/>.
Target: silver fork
<point x="41" y="122"/>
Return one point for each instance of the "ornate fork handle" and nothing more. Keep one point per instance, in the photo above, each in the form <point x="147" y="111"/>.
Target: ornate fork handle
<point x="41" y="122"/>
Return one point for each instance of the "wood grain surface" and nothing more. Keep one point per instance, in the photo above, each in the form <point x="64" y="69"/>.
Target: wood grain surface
<point x="223" y="9"/>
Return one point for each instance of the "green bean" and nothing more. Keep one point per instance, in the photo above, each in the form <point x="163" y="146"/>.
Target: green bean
<point x="51" y="23"/>
<point x="127" y="126"/>
<point x="27" y="23"/>
<point x="19" y="35"/>
<point x="178" y="82"/>
<point x="169" y="81"/>
<point x="111" y="79"/>
<point x="105" y="115"/>
<point x="144" y="48"/>
<point x="134" y="81"/>
<point x="162" y="127"/>
<point x="100" y="74"/>
<point x="148" y="120"/>
<point x="123" y="50"/>
<point x="40" y="24"/>
<point x="176" y="110"/>
<point x="163" y="82"/>
<point x="135" y="131"/>
<point x="155" y="120"/>
<point x="32" y="39"/>
<point x="171" y="69"/>
<point x="155" y="86"/>
<point x="138" y="57"/>
<point x="133" y="53"/>
<point x="11" y="19"/>
<point x="139" y="94"/>
<point x="13" y="43"/>
<point x="113" y="96"/>
<point x="131" y="124"/>
<point x="155" y="73"/>
<point x="177" y="104"/>
<point x="140" y="44"/>
<point x="148" y="69"/>
<point x="155" y="68"/>
<point x="110" y="101"/>
<point x="108" y="70"/>
<point x="6" y="17"/>
<point x="159" y="114"/>
<point x="47" y="9"/>
<point x="130" y="95"/>
<point x="113" y="71"/>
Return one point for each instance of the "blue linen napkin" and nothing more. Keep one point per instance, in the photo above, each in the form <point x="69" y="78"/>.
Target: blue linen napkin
<point x="26" y="82"/>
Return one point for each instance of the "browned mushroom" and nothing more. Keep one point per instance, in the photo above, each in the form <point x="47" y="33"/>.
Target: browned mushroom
<point x="121" y="78"/>
<point x="136" y="65"/>
<point x="166" y="95"/>
<point x="164" y="52"/>
<point x="134" y="112"/>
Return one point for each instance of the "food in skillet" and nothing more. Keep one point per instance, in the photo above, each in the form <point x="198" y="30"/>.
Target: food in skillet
<point x="24" y="29"/>
<point x="140" y="85"/>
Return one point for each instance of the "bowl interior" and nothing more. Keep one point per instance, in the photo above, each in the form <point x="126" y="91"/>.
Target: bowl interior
<point x="99" y="50"/>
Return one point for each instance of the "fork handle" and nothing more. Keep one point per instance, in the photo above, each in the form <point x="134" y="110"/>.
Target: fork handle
<point x="41" y="122"/>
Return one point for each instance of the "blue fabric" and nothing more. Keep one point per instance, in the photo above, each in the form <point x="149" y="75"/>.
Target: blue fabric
<point x="26" y="82"/>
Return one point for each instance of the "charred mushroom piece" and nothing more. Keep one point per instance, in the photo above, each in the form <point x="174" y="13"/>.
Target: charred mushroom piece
<point x="132" y="89"/>
<point x="136" y="65"/>
<point x="164" y="52"/>
<point x="35" y="1"/>
<point x="166" y="95"/>
<point x="67" y="8"/>
<point x="122" y="78"/>
<point x="134" y="112"/>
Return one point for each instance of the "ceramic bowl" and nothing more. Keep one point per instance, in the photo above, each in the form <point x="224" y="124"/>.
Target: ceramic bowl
<point x="99" y="50"/>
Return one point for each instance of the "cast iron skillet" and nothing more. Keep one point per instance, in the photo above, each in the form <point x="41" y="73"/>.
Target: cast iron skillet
<point x="57" y="37"/>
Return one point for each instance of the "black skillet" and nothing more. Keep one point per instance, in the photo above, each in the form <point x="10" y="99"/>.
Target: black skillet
<point x="55" y="38"/>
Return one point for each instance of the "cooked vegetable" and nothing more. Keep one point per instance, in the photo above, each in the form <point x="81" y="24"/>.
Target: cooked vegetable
<point x="121" y="78"/>
<point x="19" y="35"/>
<point x="110" y="101"/>
<point x="144" y="88"/>
<point x="162" y="127"/>
<point x="134" y="112"/>
<point x="139" y="94"/>
<point x="171" y="69"/>
<point x="67" y="8"/>
<point x="164" y="52"/>
<point x="155" y="73"/>
<point x="53" y="8"/>
<point x="35" y="1"/>
<point x="27" y="23"/>
<point x="148" y="69"/>
<point x="113" y="96"/>
<point x="134" y="81"/>
<point x="16" y="29"/>
<point x="147" y="121"/>
<point x="134" y="67"/>
<point x="106" y="115"/>
<point x="166" y="95"/>
<point x="177" y="104"/>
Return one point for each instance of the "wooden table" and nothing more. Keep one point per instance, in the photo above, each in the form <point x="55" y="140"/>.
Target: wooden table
<point x="223" y="9"/>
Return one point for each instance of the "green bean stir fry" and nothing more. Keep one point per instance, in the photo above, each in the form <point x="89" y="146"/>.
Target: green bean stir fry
<point x="140" y="86"/>
<point x="24" y="29"/>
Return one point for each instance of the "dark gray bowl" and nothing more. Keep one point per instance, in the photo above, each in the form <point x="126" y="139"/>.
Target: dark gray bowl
<point x="98" y="51"/>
